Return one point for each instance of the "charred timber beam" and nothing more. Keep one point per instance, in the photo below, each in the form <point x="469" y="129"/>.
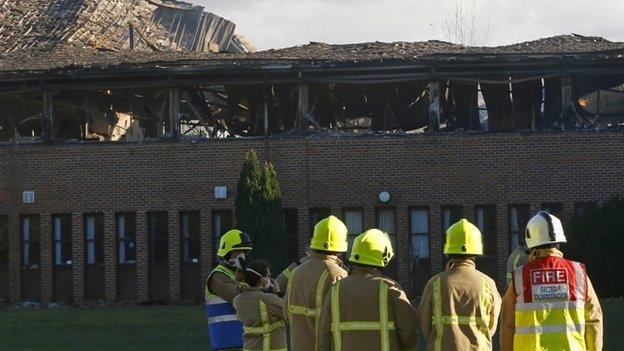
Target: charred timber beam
<point x="174" y="112"/>
<point x="47" y="117"/>
<point x="434" y="105"/>
<point x="303" y="106"/>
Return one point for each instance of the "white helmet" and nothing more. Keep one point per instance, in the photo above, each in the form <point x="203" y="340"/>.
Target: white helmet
<point x="543" y="229"/>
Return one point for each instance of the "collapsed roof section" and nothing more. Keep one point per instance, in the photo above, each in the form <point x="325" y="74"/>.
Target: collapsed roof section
<point x="152" y="25"/>
<point x="88" y="93"/>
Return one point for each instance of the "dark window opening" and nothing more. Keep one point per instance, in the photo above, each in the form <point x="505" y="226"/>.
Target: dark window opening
<point x="519" y="215"/>
<point x="158" y="230"/>
<point x="126" y="236"/>
<point x="353" y="220"/>
<point x="4" y="240"/>
<point x="580" y="208"/>
<point x="61" y="227"/>
<point x="554" y="208"/>
<point x="29" y="228"/>
<point x="291" y="227"/>
<point x="419" y="233"/>
<point x="94" y="233"/>
<point x="316" y="215"/>
<point x="222" y="221"/>
<point x="486" y="222"/>
<point x="190" y="227"/>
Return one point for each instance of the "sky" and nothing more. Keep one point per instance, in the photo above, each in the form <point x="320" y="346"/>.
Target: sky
<point x="282" y="23"/>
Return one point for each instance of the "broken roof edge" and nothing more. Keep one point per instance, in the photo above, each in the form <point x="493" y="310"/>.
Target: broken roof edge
<point x="56" y="59"/>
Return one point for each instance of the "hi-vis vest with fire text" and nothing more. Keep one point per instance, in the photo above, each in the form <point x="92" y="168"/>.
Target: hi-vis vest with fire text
<point x="226" y="331"/>
<point x="550" y="305"/>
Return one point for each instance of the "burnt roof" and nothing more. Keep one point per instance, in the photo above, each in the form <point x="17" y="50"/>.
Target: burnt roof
<point x="59" y="58"/>
<point x="165" y="24"/>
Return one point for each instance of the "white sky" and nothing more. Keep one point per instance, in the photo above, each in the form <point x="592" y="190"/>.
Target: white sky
<point x="282" y="23"/>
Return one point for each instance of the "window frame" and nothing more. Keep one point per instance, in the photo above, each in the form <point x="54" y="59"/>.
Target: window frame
<point x="521" y="227"/>
<point x="487" y="232"/>
<point x="216" y="237"/>
<point x="414" y="234"/>
<point x="188" y="240"/>
<point x="26" y="244"/>
<point x="97" y="240"/>
<point x="392" y="236"/>
<point x="317" y="210"/>
<point x="124" y="240"/>
<point x="60" y="240"/>
<point x="351" y="237"/>
<point x="4" y="246"/>
<point x="155" y="238"/>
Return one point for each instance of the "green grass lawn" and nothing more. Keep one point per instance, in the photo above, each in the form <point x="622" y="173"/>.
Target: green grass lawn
<point x="156" y="328"/>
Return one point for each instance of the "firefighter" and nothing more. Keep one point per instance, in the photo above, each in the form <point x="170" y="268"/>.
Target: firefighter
<point x="460" y="306"/>
<point x="551" y="303"/>
<point x="283" y="278"/>
<point x="366" y="310"/>
<point x="311" y="281"/>
<point x="261" y="310"/>
<point x="517" y="258"/>
<point x="222" y="286"/>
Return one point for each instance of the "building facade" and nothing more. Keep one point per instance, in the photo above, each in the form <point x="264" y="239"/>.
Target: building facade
<point x="138" y="222"/>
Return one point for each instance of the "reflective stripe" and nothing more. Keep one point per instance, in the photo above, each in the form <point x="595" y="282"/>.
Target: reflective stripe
<point x="438" y="320"/>
<point x="266" y="328"/>
<point x="437" y="314"/>
<point x="515" y="261"/>
<point x="223" y="318"/>
<point x="318" y="302"/>
<point x="519" y="284"/>
<point x="215" y="300"/>
<point x="383" y="316"/>
<point x="288" y="272"/>
<point x="335" y="310"/>
<point x="561" y="328"/>
<point x="383" y="326"/>
<point x="352" y="326"/>
<point x="552" y="305"/>
<point x="580" y="280"/>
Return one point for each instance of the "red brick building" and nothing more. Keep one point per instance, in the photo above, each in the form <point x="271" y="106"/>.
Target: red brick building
<point x="115" y="192"/>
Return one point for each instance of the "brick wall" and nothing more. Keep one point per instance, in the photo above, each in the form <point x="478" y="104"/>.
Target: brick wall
<point x="432" y="171"/>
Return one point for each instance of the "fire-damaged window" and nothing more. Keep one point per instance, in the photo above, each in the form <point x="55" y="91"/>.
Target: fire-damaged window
<point x="158" y="235"/>
<point x="518" y="217"/>
<point x="190" y="227"/>
<point x="29" y="228"/>
<point x="126" y="236"/>
<point x="20" y="117"/>
<point x="61" y="226"/>
<point x="94" y="233"/>
<point x="4" y="240"/>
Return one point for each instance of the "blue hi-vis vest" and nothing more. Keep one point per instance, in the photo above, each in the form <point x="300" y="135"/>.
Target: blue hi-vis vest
<point x="226" y="331"/>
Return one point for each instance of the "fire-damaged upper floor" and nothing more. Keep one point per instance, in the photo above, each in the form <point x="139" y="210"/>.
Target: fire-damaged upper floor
<point x="84" y="92"/>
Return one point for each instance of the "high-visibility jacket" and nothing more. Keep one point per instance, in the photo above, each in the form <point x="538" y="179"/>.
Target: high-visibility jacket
<point x="367" y="311"/>
<point x="459" y="308"/>
<point x="555" y="307"/>
<point x="263" y="320"/>
<point x="517" y="258"/>
<point x="305" y="295"/>
<point x="226" y="331"/>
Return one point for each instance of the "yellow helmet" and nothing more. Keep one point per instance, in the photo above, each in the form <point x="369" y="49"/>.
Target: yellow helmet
<point x="372" y="248"/>
<point x="463" y="238"/>
<point x="330" y="234"/>
<point x="234" y="239"/>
